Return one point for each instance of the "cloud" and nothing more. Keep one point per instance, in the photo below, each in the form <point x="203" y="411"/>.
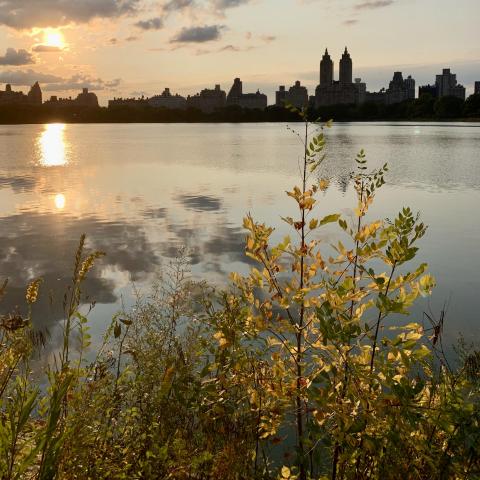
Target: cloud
<point x="268" y="38"/>
<point x="175" y="5"/>
<point x="150" y="24"/>
<point x="127" y="245"/>
<point x="27" y="77"/>
<point x="224" y="4"/>
<point x="79" y="81"/>
<point x="132" y="38"/>
<point x="23" y="14"/>
<point x="206" y="33"/>
<point x="46" y="49"/>
<point x="201" y="203"/>
<point x="350" y="22"/>
<point x="16" y="57"/>
<point x="233" y="48"/>
<point x="373" y="4"/>
<point x="230" y="48"/>
<point x="55" y="83"/>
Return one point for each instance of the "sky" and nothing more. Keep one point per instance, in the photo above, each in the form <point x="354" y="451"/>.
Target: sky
<point x="126" y="48"/>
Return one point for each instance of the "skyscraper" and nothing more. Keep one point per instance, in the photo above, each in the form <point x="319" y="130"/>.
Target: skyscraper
<point x="342" y="92"/>
<point x="400" y="89"/>
<point x="346" y="68"/>
<point x="245" y="100"/>
<point x="477" y="88"/>
<point x="297" y="95"/>
<point x="326" y="70"/>
<point x="447" y="85"/>
<point x="35" y="94"/>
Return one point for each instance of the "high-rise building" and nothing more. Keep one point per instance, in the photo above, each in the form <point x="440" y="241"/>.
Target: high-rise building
<point x="399" y="89"/>
<point x="297" y="95"/>
<point x="477" y="88"/>
<point x="245" y="100"/>
<point x="409" y="83"/>
<point x="326" y="70"/>
<point x="35" y="94"/>
<point x="447" y="85"/>
<point x="346" y="68"/>
<point x="281" y="96"/>
<point x="342" y="92"/>
<point x="360" y="91"/>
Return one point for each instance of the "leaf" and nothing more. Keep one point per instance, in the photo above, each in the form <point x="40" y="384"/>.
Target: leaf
<point x="329" y="219"/>
<point x="286" y="472"/>
<point x="313" y="224"/>
<point x="117" y="330"/>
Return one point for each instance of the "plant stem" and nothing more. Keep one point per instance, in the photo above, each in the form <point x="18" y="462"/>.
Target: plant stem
<point x="300" y="433"/>
<point x="379" y="319"/>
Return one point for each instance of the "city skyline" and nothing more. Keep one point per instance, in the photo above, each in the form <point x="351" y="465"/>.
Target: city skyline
<point x="130" y="47"/>
<point x="414" y="90"/>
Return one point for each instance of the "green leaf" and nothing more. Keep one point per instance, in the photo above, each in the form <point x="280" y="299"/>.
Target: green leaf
<point x="329" y="219"/>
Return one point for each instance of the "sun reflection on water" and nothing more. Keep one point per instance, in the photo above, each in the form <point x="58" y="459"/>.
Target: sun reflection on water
<point x="60" y="201"/>
<point x="52" y="146"/>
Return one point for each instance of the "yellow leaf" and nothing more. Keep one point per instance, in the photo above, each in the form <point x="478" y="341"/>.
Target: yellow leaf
<point x="286" y="472"/>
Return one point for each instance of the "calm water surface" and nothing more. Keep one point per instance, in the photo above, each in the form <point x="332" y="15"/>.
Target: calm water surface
<point x="141" y="191"/>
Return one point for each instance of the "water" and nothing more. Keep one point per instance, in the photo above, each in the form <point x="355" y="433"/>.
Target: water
<point x="141" y="191"/>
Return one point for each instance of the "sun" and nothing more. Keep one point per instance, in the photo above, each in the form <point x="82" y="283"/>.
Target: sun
<point x="53" y="38"/>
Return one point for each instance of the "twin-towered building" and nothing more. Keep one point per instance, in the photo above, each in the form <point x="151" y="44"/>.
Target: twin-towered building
<point x="343" y="91"/>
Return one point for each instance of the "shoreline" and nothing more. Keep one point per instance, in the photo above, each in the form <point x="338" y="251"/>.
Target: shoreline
<point x="425" y="122"/>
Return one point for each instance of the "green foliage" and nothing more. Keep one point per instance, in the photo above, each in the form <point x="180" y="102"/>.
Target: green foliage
<point x="449" y="107"/>
<point x="299" y="370"/>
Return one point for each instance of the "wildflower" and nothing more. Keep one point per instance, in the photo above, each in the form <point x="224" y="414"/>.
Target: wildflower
<point x="88" y="264"/>
<point x="32" y="291"/>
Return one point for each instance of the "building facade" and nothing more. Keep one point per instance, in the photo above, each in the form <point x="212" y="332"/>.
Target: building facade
<point x="141" y="102"/>
<point x="167" y="100"/>
<point x="245" y="100"/>
<point x="477" y="88"/>
<point x="9" y="97"/>
<point x="400" y="89"/>
<point x="208" y="100"/>
<point x="447" y="86"/>
<point x="297" y="95"/>
<point x="428" y="90"/>
<point x="85" y="99"/>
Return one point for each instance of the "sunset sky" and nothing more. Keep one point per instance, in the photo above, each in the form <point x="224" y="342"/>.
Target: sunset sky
<point x="135" y="47"/>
